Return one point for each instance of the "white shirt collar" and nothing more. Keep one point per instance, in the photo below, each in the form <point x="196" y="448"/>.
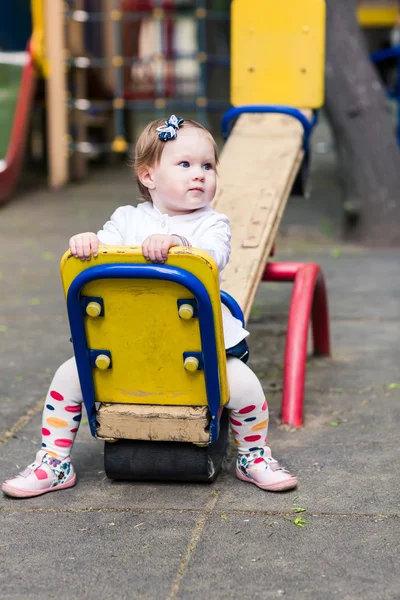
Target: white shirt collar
<point x="152" y="210"/>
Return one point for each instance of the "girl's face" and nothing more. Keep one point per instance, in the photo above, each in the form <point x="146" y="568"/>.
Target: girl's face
<point x="185" y="178"/>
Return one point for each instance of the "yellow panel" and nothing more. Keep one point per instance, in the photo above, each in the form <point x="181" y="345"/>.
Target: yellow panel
<point x="278" y="52"/>
<point x="370" y="15"/>
<point x="144" y="333"/>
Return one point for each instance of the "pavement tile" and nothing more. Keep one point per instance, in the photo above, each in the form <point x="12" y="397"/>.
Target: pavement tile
<point x="88" y="555"/>
<point x="333" y="478"/>
<point x="259" y="556"/>
<point x="342" y="416"/>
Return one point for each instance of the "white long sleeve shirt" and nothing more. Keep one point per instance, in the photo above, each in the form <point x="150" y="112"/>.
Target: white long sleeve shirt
<point x="204" y="228"/>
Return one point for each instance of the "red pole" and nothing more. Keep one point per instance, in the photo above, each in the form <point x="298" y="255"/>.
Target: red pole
<point x="296" y="345"/>
<point x="320" y="318"/>
<point x="309" y="298"/>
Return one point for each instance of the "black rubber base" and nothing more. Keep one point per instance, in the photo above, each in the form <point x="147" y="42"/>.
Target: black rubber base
<point x="166" y="461"/>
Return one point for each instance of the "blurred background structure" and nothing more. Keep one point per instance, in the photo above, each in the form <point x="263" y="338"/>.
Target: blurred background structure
<point x="109" y="66"/>
<point x="80" y="78"/>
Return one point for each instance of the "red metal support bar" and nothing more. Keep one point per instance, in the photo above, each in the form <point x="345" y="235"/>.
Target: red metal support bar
<point x="309" y="299"/>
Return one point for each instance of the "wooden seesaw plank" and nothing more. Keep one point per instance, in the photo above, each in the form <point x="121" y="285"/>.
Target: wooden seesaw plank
<point x="258" y="166"/>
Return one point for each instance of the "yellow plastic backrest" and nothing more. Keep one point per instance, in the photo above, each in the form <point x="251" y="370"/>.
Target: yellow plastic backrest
<point x="142" y="329"/>
<point x="278" y="52"/>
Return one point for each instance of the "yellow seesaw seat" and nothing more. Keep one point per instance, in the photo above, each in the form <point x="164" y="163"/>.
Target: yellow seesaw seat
<point x="147" y="334"/>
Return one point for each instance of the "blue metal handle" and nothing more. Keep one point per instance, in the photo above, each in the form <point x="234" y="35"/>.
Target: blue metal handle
<point x="144" y="271"/>
<point x="270" y="108"/>
<point x="233" y="306"/>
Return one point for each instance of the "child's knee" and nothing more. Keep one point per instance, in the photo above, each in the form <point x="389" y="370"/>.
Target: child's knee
<point x="244" y="385"/>
<point x="66" y="380"/>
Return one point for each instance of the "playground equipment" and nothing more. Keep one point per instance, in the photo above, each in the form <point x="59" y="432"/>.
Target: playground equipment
<point x="17" y="79"/>
<point x="118" y="21"/>
<point x="378" y="13"/>
<point x="149" y="346"/>
<point x="92" y="57"/>
<point x="18" y="75"/>
<point x="161" y="405"/>
<point x="266" y="150"/>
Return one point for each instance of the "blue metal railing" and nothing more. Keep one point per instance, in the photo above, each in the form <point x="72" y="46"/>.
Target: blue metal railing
<point x="236" y="111"/>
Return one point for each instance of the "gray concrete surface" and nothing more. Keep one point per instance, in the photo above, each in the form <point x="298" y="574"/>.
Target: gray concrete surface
<point x="229" y="540"/>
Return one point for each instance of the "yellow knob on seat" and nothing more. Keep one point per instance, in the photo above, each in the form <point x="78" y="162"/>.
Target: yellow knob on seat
<point x="93" y="309"/>
<point x="102" y="361"/>
<point x="186" y="311"/>
<point x="191" y="364"/>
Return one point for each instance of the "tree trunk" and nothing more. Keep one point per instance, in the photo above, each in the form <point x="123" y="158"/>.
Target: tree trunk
<point x="358" y="110"/>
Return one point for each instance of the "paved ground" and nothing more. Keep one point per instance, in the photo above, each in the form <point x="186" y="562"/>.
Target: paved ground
<point x="228" y="540"/>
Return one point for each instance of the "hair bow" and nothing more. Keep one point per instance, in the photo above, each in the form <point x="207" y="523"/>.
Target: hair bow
<point x="169" y="130"/>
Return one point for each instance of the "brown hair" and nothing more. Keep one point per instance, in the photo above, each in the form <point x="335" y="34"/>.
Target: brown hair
<point x="149" y="149"/>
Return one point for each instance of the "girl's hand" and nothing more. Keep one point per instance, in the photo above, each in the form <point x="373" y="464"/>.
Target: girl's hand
<point x="156" y="246"/>
<point x="83" y="245"/>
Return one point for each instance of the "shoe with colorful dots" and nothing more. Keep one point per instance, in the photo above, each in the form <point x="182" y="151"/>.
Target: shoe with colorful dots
<point x="46" y="474"/>
<point x="258" y="467"/>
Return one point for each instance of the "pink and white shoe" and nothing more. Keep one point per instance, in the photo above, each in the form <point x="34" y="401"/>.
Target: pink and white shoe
<point x="260" y="468"/>
<point x="46" y="474"/>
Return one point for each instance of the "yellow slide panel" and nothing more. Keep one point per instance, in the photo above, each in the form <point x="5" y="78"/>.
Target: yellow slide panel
<point x="278" y="52"/>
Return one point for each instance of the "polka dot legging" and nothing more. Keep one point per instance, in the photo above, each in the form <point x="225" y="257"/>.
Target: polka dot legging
<point x="63" y="409"/>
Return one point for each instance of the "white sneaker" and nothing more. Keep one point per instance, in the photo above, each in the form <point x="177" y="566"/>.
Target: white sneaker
<point x="46" y="474"/>
<point x="260" y="468"/>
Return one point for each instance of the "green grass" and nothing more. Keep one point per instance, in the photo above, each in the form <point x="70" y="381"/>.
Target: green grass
<point x="10" y="79"/>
